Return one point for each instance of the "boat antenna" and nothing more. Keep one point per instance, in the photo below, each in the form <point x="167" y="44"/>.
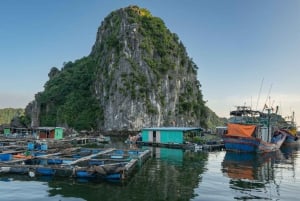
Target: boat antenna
<point x="262" y="81"/>
<point x="277" y="108"/>
<point x="273" y="103"/>
<point x="268" y="96"/>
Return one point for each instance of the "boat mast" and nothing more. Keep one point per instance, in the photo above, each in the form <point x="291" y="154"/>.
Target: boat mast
<point x="259" y="93"/>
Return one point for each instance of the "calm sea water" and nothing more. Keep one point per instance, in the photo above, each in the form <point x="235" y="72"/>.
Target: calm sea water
<point x="172" y="174"/>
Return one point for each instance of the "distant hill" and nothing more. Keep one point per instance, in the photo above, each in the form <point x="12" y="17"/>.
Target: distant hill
<point x="7" y="114"/>
<point x="213" y="120"/>
<point x="138" y="74"/>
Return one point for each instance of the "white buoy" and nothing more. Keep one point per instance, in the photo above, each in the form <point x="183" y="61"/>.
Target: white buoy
<point x="31" y="174"/>
<point x="4" y="169"/>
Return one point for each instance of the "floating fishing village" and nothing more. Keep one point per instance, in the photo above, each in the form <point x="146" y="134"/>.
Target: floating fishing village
<point x="65" y="157"/>
<point x="45" y="151"/>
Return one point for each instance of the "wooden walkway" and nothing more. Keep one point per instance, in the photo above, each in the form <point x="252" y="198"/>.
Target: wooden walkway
<point x="125" y="167"/>
<point x="90" y="156"/>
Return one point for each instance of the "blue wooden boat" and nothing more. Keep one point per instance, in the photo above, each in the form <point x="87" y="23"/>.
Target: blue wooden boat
<point x="252" y="131"/>
<point x="5" y="157"/>
<point x="46" y="171"/>
<point x="117" y="154"/>
<point x="133" y="152"/>
<point x="54" y="161"/>
<point x="95" y="162"/>
<point x="76" y="156"/>
<point x="242" y="144"/>
<point x="291" y="138"/>
<point x="67" y="161"/>
<point x="84" y="174"/>
<point x="290" y="128"/>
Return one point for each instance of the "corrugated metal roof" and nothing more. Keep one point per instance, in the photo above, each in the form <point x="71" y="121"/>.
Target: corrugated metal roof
<point x="172" y="128"/>
<point x="47" y="128"/>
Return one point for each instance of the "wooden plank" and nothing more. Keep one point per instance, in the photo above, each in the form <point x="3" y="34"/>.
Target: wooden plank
<point x="144" y="155"/>
<point x="13" y="161"/>
<point x="11" y="152"/>
<point x="130" y="164"/>
<point x="90" y="156"/>
<point x="48" y="155"/>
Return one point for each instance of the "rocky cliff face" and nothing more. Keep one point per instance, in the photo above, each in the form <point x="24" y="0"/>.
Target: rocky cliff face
<point x="141" y="77"/>
<point x="33" y="109"/>
<point x="144" y="76"/>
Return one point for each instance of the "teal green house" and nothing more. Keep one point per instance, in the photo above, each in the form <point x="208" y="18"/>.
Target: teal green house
<point x="6" y="131"/>
<point x="169" y="135"/>
<point x="59" y="133"/>
<point x="50" y="132"/>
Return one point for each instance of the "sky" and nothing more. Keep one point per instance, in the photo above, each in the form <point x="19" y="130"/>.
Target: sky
<point x="247" y="51"/>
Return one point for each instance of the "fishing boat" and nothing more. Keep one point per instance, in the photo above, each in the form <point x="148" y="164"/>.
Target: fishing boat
<point x="253" y="131"/>
<point x="290" y="128"/>
<point x="292" y="138"/>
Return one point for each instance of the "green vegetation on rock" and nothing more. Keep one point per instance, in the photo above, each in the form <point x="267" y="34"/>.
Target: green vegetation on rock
<point x="138" y="72"/>
<point x="8" y="114"/>
<point x="68" y="98"/>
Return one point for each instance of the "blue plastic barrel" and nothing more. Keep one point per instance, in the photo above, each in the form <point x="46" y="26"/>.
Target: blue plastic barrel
<point x="44" y="147"/>
<point x="30" y="146"/>
<point x="5" y="157"/>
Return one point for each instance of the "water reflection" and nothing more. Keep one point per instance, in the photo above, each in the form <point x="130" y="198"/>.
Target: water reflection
<point x="252" y="175"/>
<point x="290" y="151"/>
<point x="170" y="174"/>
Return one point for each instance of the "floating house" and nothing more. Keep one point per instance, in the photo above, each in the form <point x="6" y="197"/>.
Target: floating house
<point x="170" y="136"/>
<point x="6" y="131"/>
<point x="22" y="131"/>
<point x="50" y="132"/>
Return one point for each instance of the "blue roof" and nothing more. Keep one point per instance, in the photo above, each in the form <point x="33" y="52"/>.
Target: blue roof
<point x="172" y="128"/>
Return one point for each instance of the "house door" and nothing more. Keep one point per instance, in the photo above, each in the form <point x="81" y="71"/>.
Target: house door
<point x="154" y="136"/>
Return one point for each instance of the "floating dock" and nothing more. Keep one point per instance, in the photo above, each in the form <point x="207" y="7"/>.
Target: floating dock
<point x="190" y="146"/>
<point x="91" y="164"/>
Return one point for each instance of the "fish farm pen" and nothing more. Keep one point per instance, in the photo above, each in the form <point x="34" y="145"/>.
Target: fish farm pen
<point x="47" y="152"/>
<point x="32" y="159"/>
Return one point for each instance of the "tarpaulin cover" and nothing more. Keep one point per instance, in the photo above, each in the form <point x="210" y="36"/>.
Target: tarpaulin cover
<point x="240" y="130"/>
